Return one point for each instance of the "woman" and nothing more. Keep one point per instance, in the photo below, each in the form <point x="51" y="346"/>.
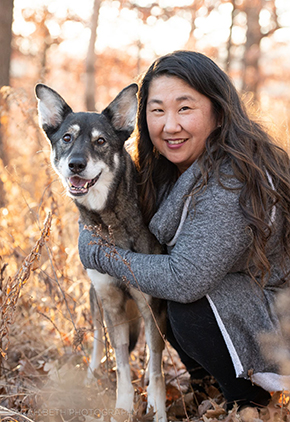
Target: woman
<point x="215" y="189"/>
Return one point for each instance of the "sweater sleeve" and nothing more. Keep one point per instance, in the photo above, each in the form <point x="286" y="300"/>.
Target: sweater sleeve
<point x="212" y="239"/>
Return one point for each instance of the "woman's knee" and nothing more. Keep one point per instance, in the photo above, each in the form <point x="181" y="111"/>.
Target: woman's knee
<point x="194" y="314"/>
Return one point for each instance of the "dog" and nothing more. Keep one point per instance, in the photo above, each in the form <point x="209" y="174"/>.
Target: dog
<point x="88" y="153"/>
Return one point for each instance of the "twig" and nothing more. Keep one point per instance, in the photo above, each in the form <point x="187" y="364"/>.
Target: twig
<point x="11" y="290"/>
<point x="53" y="324"/>
<point x="5" y="413"/>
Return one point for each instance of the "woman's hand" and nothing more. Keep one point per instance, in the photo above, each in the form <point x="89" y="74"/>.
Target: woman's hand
<point x="98" y="253"/>
<point x="89" y="248"/>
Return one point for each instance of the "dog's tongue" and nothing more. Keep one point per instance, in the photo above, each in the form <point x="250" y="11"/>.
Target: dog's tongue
<point x="78" y="182"/>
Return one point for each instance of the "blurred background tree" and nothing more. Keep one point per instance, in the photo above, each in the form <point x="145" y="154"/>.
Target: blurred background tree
<point x="91" y="59"/>
<point x="6" y="14"/>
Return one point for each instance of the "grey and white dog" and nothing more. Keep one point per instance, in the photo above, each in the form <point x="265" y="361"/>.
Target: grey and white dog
<point x="87" y="151"/>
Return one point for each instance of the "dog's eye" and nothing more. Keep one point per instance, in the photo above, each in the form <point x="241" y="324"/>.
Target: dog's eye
<point x="100" y="141"/>
<point x="67" y="137"/>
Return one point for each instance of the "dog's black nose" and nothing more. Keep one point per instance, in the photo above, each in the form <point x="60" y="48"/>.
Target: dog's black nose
<point x="77" y="164"/>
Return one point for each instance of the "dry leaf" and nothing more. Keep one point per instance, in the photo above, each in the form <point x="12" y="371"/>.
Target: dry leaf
<point x="217" y="410"/>
<point x="204" y="407"/>
<point x="141" y="417"/>
<point x="249" y="414"/>
<point x="233" y="415"/>
<point x="172" y="393"/>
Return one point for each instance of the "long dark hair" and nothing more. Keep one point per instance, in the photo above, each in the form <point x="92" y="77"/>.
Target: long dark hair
<point x="261" y="166"/>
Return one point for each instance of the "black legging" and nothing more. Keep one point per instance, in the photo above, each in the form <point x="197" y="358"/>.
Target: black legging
<point x="193" y="331"/>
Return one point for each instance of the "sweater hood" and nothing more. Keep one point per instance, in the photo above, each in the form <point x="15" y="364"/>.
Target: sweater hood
<point x="165" y="221"/>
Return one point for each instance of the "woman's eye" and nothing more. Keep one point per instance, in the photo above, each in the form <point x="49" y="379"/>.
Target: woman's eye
<point x="67" y="137"/>
<point x="100" y="141"/>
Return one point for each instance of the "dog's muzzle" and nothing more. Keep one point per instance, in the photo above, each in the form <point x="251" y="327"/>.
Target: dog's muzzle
<point x="79" y="186"/>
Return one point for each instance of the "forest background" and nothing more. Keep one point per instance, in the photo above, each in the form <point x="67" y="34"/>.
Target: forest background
<point x="88" y="51"/>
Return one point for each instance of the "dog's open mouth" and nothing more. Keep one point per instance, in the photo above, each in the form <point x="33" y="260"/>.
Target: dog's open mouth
<point x="79" y="186"/>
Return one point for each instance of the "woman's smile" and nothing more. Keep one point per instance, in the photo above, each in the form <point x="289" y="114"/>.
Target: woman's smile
<point x="175" y="142"/>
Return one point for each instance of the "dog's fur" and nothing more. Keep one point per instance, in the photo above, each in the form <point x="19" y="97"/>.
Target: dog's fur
<point x="87" y="151"/>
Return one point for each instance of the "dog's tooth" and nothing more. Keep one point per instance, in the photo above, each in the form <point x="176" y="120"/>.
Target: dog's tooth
<point x="86" y="185"/>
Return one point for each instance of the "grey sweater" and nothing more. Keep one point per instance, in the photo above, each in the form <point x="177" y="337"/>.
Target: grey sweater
<point x="207" y="257"/>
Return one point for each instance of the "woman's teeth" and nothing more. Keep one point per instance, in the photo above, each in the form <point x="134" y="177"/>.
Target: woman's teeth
<point x="178" y="141"/>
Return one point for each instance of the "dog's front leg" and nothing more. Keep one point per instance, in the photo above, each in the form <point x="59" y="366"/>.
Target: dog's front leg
<point x="125" y="390"/>
<point x="156" y="395"/>
<point x="118" y="328"/>
<point x="156" y="392"/>
<point x="98" y="345"/>
<point x="114" y="303"/>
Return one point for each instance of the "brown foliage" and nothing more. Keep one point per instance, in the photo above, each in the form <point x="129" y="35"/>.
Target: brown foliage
<point x="10" y="289"/>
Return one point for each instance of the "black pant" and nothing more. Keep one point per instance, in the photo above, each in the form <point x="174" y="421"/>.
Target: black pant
<point x="193" y="331"/>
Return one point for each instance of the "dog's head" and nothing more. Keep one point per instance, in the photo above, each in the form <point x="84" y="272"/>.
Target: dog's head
<point x="85" y="146"/>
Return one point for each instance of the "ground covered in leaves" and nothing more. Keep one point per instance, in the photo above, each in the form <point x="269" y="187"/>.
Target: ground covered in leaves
<point x="45" y="325"/>
<point x="43" y="380"/>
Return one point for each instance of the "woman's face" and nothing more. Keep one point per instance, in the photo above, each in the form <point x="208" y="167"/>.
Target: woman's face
<point x="179" y="120"/>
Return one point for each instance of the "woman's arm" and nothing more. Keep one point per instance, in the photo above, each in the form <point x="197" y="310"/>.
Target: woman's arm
<point x="213" y="237"/>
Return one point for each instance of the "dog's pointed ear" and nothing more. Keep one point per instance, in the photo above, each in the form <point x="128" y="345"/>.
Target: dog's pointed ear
<point x="52" y="108"/>
<point x="122" y="111"/>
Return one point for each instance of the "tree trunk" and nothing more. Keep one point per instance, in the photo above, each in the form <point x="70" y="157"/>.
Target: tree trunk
<point x="230" y="40"/>
<point x="91" y="59"/>
<point x="6" y="13"/>
<point x="251" y="71"/>
<point x="6" y="16"/>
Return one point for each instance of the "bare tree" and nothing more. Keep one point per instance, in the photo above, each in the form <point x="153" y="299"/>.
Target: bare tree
<point x="91" y="60"/>
<point x="251" y="75"/>
<point x="6" y="14"/>
<point x="230" y="39"/>
<point x="251" y="69"/>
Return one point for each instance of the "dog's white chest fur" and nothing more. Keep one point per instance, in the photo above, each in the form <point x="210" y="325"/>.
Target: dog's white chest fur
<point x="101" y="282"/>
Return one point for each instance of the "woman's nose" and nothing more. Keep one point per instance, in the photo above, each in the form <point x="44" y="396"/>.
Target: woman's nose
<point x="171" y="123"/>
